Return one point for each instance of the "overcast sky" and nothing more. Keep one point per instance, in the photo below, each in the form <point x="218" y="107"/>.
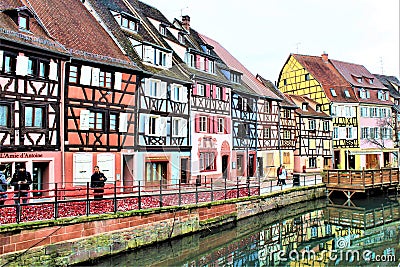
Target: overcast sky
<point x="262" y="33"/>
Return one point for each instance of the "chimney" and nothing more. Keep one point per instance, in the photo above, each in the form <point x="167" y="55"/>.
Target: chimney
<point x="186" y="22"/>
<point x="325" y="57"/>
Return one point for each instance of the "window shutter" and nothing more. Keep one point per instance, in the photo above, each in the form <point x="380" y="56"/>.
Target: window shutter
<point x="195" y="89"/>
<point x="86" y="75"/>
<point x="157" y="57"/>
<point x="163" y="92"/>
<point x="118" y="81"/>
<point x="227" y="125"/>
<point x="215" y="124"/>
<point x="147" y="86"/>
<point x="354" y="133"/>
<point x="146" y="124"/>
<point x="106" y="162"/>
<point x="224" y="94"/>
<point x="198" y="61"/>
<point x="148" y="54"/>
<point x="368" y="94"/>
<point x="22" y="65"/>
<point x="353" y="111"/>
<point x="197" y="123"/>
<point x="342" y="133"/>
<point x="123" y="122"/>
<point x="208" y="91"/>
<point x="169" y="60"/>
<point x="184" y="129"/>
<point x="183" y="95"/>
<point x="84" y="120"/>
<point x="206" y="64"/>
<point x="210" y="123"/>
<point x="53" y="74"/>
<point x="1" y="59"/>
<point x="96" y="77"/>
<point x="214" y="90"/>
<point x="162" y="123"/>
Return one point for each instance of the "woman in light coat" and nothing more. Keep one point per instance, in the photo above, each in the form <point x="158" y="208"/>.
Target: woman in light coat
<point x="283" y="175"/>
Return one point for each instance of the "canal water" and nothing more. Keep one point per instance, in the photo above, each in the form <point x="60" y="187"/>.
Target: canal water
<point x="305" y="234"/>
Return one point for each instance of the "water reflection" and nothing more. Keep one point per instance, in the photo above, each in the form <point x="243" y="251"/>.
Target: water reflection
<point x="305" y="234"/>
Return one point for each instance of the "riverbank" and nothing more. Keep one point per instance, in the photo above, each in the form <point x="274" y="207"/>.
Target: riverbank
<point x="74" y="240"/>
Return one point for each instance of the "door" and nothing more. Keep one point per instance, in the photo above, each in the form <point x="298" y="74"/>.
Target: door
<point x="386" y="159"/>
<point x="225" y="170"/>
<point x="83" y="164"/>
<point x="260" y="166"/>
<point x="40" y="171"/>
<point x="337" y="159"/>
<point x="251" y="165"/>
<point x="156" y="172"/>
<point x="352" y="162"/>
<point x="127" y="169"/>
<point x="184" y="170"/>
<point x="372" y="161"/>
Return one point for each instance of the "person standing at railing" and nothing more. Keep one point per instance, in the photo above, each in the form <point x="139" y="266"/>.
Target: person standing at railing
<point x="3" y="185"/>
<point x="283" y="175"/>
<point x="97" y="181"/>
<point x="21" y="181"/>
<point x="278" y="173"/>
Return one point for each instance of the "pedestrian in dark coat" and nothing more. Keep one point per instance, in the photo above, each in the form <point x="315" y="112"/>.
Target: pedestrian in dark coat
<point x="3" y="185"/>
<point x="21" y="181"/>
<point x="97" y="181"/>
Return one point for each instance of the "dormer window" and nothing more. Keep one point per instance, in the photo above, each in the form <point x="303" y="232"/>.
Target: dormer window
<point x="318" y="108"/>
<point x="307" y="76"/>
<point x="358" y="79"/>
<point x="347" y="93"/>
<point x="333" y="92"/>
<point x="126" y="20"/>
<point x="304" y="106"/>
<point x="23" y="22"/>
<point x="371" y="80"/>
<point x="181" y="38"/>
<point x="163" y="30"/>
<point x="363" y="93"/>
<point x="235" y="77"/>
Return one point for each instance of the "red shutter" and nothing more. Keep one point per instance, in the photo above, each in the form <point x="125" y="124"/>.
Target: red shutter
<point x="208" y="91"/>
<point x="210" y="124"/>
<point x="197" y="61"/>
<point x="206" y="64"/>
<point x="227" y="125"/>
<point x="197" y="123"/>
<point x="195" y="89"/>
<point x="215" y="124"/>
<point x="214" y="90"/>
<point x="224" y="93"/>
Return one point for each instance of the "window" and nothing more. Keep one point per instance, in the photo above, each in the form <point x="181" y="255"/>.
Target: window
<point x="326" y="126"/>
<point x="181" y="38"/>
<point x="211" y="66"/>
<point x="312" y="163"/>
<point x="201" y="91"/>
<point x="364" y="112"/>
<point x="38" y="68"/>
<point x="268" y="107"/>
<point x="127" y="22"/>
<point x="364" y="132"/>
<point x="34" y="117"/>
<point x="284" y="81"/>
<point x="235" y="77"/>
<point x="349" y="132"/>
<point x="346" y="93"/>
<point x="286" y="158"/>
<point x="267" y="133"/>
<point x="207" y="161"/>
<point x="23" y="22"/>
<point x="335" y="134"/>
<point x="358" y="79"/>
<point x="203" y="124"/>
<point x="382" y="112"/>
<point x="371" y="80"/>
<point x="307" y="76"/>
<point x="373" y="112"/>
<point x="363" y="93"/>
<point x="73" y="74"/>
<point x="243" y="130"/>
<point x="333" y="92"/>
<point x="380" y="95"/>
<point x="105" y="79"/>
<point x="155" y="171"/>
<point x="154" y="88"/>
<point x="304" y="106"/>
<point x="386" y="133"/>
<point x="367" y="93"/>
<point x="9" y="64"/>
<point x="31" y="67"/>
<point x="96" y="120"/>
<point x="311" y="125"/>
<point x="218" y="93"/>
<point x="152" y="125"/>
<point x="176" y="92"/>
<point x="374" y="133"/>
<point x="163" y="30"/>
<point x="113" y="122"/>
<point x="318" y="108"/>
<point x="287" y="113"/>
<point x="178" y="127"/>
<point x="192" y="61"/>
<point x="287" y="134"/>
<point x="221" y="125"/>
<point x="4" y="115"/>
<point x="333" y="110"/>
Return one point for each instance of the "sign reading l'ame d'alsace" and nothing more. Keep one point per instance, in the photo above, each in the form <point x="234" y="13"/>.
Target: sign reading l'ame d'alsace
<point x="22" y="155"/>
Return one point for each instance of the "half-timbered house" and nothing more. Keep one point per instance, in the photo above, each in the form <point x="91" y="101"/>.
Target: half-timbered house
<point x="210" y="104"/>
<point x="316" y="78"/>
<point x="393" y="84"/>
<point x="30" y="95"/>
<point x="313" y="151"/>
<point x="375" y="116"/>
<point x="244" y="113"/>
<point x="287" y="130"/>
<point x="162" y="151"/>
<point x="99" y="94"/>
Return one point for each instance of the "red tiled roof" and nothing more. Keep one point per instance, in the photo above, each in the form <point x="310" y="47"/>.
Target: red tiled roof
<point x="10" y="4"/>
<point x="328" y="77"/>
<point x="248" y="78"/>
<point x="72" y="25"/>
<point x="299" y="100"/>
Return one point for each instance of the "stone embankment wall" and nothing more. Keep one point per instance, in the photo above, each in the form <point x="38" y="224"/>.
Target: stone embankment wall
<point x="70" y="241"/>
